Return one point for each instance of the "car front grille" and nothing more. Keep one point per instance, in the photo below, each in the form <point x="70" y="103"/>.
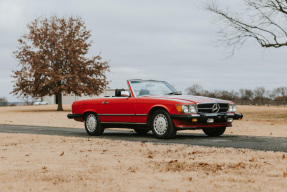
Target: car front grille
<point x="207" y="107"/>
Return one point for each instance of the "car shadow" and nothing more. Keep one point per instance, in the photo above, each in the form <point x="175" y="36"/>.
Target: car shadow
<point x="123" y="135"/>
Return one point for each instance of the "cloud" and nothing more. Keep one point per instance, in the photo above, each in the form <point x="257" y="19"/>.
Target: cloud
<point x="164" y="40"/>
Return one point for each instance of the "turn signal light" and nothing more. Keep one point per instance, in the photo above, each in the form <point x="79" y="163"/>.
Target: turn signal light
<point x="194" y="120"/>
<point x="178" y="108"/>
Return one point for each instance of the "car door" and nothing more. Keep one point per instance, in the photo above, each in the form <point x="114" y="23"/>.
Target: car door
<point x="118" y="109"/>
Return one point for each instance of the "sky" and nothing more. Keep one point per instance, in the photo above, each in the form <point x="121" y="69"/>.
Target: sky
<point x="169" y="40"/>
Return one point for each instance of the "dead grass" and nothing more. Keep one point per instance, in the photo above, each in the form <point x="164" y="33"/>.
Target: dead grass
<point x="45" y="163"/>
<point x="261" y="121"/>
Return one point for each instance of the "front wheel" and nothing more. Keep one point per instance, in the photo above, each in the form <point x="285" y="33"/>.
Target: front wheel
<point x="162" y="125"/>
<point x="92" y="125"/>
<point x="214" y="132"/>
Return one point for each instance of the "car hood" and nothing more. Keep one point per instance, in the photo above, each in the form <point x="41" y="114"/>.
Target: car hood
<point x="188" y="99"/>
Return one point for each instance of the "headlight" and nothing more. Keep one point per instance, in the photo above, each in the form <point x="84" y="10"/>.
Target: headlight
<point x="232" y="108"/>
<point x="192" y="109"/>
<point x="186" y="108"/>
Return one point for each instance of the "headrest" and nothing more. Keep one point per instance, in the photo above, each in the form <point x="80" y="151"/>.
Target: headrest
<point x="118" y="92"/>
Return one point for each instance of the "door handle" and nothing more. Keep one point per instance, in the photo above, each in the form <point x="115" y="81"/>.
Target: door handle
<point x="105" y="102"/>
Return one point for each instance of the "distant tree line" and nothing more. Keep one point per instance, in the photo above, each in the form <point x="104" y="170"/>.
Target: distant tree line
<point x="3" y="102"/>
<point x="257" y="96"/>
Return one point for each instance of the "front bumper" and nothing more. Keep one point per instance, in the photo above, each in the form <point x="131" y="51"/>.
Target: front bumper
<point x="204" y="117"/>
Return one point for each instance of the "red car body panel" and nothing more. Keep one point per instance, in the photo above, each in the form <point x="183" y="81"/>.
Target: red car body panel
<point x="136" y="110"/>
<point x="118" y="110"/>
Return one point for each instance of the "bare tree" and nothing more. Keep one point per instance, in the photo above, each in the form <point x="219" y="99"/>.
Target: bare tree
<point x="271" y="94"/>
<point x="282" y="94"/>
<point x="227" y="95"/>
<point x="194" y="89"/>
<point x="259" y="93"/>
<point x="262" y="20"/>
<point x="246" y="94"/>
<point x="52" y="60"/>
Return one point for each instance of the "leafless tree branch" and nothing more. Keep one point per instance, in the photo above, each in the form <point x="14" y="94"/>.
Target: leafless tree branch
<point x="262" y="20"/>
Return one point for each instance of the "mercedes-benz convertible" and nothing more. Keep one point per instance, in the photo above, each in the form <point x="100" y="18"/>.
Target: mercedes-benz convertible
<point x="156" y="106"/>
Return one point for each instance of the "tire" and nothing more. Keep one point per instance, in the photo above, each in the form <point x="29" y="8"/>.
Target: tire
<point x="214" y="132"/>
<point x="141" y="131"/>
<point x="92" y="125"/>
<point x="162" y="125"/>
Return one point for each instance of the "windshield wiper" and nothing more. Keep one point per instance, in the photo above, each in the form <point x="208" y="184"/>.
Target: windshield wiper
<point x="174" y="93"/>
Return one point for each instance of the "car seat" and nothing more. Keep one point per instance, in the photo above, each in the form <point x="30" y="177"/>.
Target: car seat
<point x="144" y="92"/>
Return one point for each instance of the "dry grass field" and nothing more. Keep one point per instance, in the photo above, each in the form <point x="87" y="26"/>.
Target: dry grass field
<point x="55" y="163"/>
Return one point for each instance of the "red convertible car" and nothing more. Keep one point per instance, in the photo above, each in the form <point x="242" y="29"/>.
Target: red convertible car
<point x="157" y="106"/>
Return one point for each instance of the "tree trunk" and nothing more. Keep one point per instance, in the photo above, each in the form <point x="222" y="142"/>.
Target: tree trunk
<point x="60" y="106"/>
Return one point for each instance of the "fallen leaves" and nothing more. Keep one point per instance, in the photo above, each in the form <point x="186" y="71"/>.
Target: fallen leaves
<point x="172" y="161"/>
<point x="104" y="151"/>
<point x="143" y="144"/>
<point x="238" y="165"/>
<point x="192" y="153"/>
<point x="203" y="164"/>
<point x="45" y="169"/>
<point x="132" y="170"/>
<point x="252" y="159"/>
<point x="176" y="166"/>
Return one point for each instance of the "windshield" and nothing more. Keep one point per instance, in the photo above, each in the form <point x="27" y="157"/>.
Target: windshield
<point x="148" y="87"/>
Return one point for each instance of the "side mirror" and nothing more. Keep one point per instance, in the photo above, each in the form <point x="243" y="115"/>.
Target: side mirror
<point x="125" y="93"/>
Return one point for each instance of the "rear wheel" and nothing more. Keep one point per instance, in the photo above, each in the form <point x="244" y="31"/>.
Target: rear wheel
<point x="141" y="131"/>
<point x="214" y="132"/>
<point x="162" y="125"/>
<point x="92" y="125"/>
